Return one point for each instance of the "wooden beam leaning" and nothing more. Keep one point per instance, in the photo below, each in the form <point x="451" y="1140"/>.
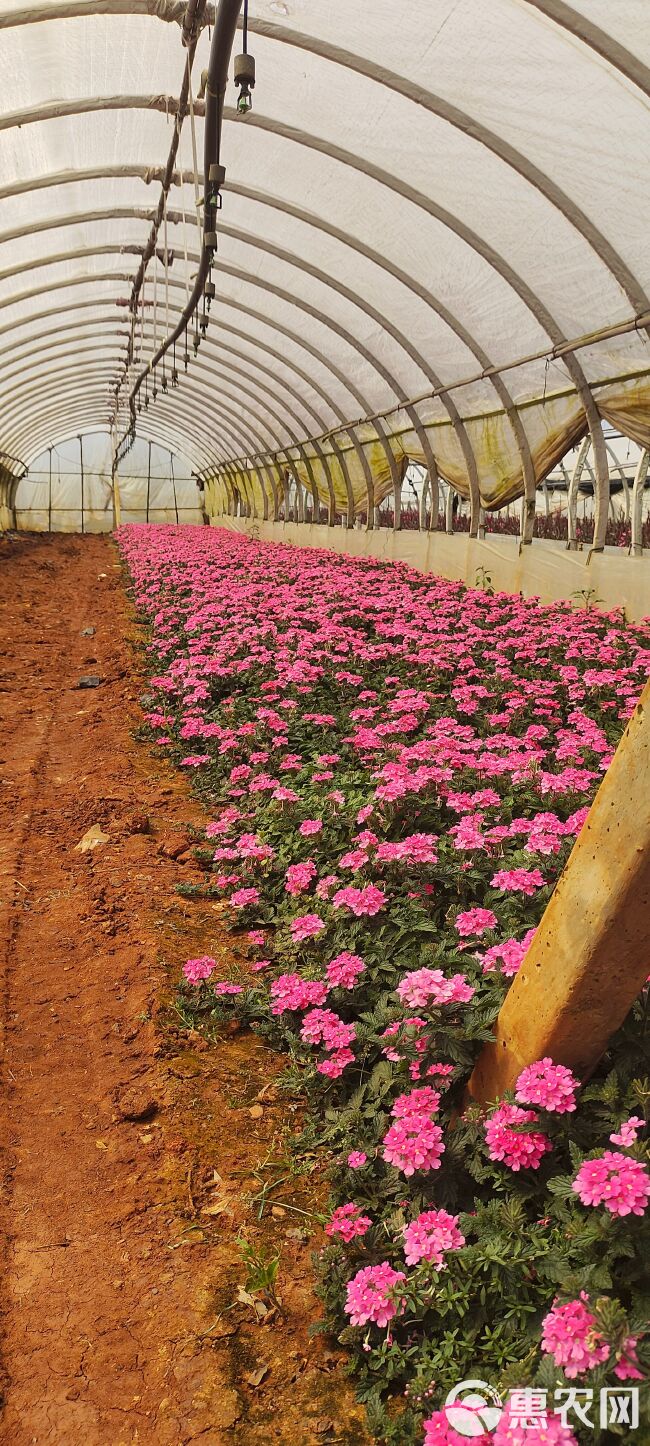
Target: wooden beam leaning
<point x="590" y="957"/>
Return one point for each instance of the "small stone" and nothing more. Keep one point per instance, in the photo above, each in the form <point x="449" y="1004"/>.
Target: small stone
<point x="89" y="680"/>
<point x="139" y="823"/>
<point x="87" y="632"/>
<point x="137" y="1106"/>
<point x="172" y="847"/>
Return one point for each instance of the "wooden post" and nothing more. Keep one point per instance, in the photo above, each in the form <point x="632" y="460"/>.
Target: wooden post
<point x="591" y="954"/>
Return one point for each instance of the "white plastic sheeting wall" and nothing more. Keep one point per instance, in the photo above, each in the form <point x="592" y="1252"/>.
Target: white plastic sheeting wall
<point x="57" y="495"/>
<point x="438" y="202"/>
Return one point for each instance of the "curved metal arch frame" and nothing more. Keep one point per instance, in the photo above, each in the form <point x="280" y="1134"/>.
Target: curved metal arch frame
<point x="26" y="393"/>
<point x="590" y="415"/>
<point x="96" y="421"/>
<point x="77" y="387"/>
<point x="292" y="259"/>
<point x="100" y="422"/>
<point x="469" y="126"/>
<point x="79" y="305"/>
<point x="107" y="338"/>
<point x="300" y="341"/>
<point x="429" y="300"/>
<point x="465" y="446"/>
<point x="300" y="305"/>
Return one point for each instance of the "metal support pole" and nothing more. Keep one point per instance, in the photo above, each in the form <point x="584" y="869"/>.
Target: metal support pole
<point x="81" y="462"/>
<point x="49" y="505"/>
<point x="589" y="958"/>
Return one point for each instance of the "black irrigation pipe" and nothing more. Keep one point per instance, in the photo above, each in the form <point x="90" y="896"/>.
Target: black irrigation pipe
<point x="223" y="36"/>
<point x="192" y="23"/>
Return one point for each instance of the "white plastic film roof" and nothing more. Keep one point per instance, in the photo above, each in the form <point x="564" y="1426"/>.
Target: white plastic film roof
<point x="433" y="240"/>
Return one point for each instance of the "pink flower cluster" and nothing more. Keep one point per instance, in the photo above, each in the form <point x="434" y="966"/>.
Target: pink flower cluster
<point x="373" y="1295"/>
<point x="430" y="1236"/>
<point x="367" y="901"/>
<point x="344" y="971"/>
<point x="425" y="986"/>
<point x="299" y="877"/>
<point x="518" y="881"/>
<point x="570" y="1336"/>
<point x="518" y="1150"/>
<point x="549" y="1086"/>
<point x="475" y="922"/>
<point x="348" y="1222"/>
<point x="413" y="1142"/>
<point x="196" y="970"/>
<point x="291" y="991"/>
<point x="307" y="926"/>
<point x="616" y="1181"/>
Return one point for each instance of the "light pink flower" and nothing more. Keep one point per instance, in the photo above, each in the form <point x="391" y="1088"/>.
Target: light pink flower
<point x="344" y="971"/>
<point x="306" y="926"/>
<point x="569" y="1335"/>
<point x="628" y="1131"/>
<point x="356" y="1159"/>
<point x="423" y="986"/>
<point x="522" y="881"/>
<point x="196" y="970"/>
<point x="550" y="1086"/>
<point x="430" y="1236"/>
<point x="366" y="901"/>
<point x="616" y="1181"/>
<point x="310" y="826"/>
<point x="475" y="921"/>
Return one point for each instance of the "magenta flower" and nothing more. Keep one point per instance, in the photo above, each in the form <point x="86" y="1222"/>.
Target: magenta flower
<point x="344" y="971"/>
<point x="517" y="1150"/>
<point x="372" y="1295"/>
<point x="348" y="1222"/>
<point x="430" y="1236"/>
<point x="413" y="1143"/>
<point x="306" y="926"/>
<point x="356" y="1159"/>
<point x="310" y="826"/>
<point x="242" y="898"/>
<point x="225" y="988"/>
<point x="438" y="1431"/>
<point x="628" y="1131"/>
<point x="196" y="970"/>
<point x="569" y="1335"/>
<point x="550" y="1086"/>
<point x="361" y="902"/>
<point x="475" y="921"/>
<point x="521" y="881"/>
<point x="616" y="1181"/>
<point x="425" y="986"/>
<point x="514" y="1430"/>
<point x="291" y="991"/>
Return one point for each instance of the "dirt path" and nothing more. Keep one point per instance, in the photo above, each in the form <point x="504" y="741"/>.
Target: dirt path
<point x="126" y="1155"/>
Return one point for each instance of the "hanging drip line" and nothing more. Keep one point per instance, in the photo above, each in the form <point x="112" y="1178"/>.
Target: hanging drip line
<point x="166" y="262"/>
<point x="141" y="337"/>
<point x="187" y="272"/>
<point x="195" y="168"/>
<point x="155" y="305"/>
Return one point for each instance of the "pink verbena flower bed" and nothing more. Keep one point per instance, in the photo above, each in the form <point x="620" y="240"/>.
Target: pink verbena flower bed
<point x="396" y="768"/>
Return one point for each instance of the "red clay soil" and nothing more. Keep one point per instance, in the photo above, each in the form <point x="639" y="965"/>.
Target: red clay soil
<point x="129" y="1151"/>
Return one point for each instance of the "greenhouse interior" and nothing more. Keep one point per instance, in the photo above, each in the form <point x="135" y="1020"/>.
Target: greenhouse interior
<point x="325" y="690"/>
